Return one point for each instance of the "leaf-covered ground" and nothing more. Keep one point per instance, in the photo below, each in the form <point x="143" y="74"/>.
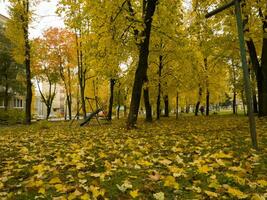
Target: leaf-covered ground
<point x="192" y="158"/>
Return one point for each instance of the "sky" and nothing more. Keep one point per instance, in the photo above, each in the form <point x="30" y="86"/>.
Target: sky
<point x="45" y="17"/>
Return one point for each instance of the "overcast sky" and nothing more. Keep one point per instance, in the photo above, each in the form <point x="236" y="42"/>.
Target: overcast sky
<point x="45" y="17"/>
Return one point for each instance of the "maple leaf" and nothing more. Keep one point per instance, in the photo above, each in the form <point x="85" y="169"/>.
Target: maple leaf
<point x="171" y="182"/>
<point x="204" y="169"/>
<point x="235" y="192"/>
<point x="55" y="180"/>
<point x="134" y="193"/>
<point x="211" y="194"/>
<point x="262" y="183"/>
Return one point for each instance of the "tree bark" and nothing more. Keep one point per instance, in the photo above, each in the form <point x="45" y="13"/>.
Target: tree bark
<point x="146" y="100"/>
<point x="264" y="70"/>
<point x="234" y="103"/>
<point x="111" y="98"/>
<point x="147" y="105"/>
<point x="119" y="102"/>
<point x="207" y="102"/>
<point x="159" y="86"/>
<point x="199" y="99"/>
<point x="141" y="70"/>
<point x="166" y="106"/>
<point x="27" y="62"/>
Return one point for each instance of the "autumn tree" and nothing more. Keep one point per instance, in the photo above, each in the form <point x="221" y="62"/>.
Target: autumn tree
<point x="18" y="27"/>
<point x="45" y="70"/>
<point x="9" y="70"/>
<point x="18" y="32"/>
<point x="141" y="71"/>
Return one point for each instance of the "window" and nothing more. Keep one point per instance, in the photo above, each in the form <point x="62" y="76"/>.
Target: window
<point x="17" y="103"/>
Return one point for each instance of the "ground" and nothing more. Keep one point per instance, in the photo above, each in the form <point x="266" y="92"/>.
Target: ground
<point x="191" y="158"/>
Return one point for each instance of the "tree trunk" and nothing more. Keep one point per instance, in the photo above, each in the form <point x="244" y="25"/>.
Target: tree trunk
<point x="141" y="70"/>
<point x="207" y="102"/>
<point x="264" y="70"/>
<point x="159" y="86"/>
<point x="234" y="103"/>
<point x="177" y="104"/>
<point x="27" y="62"/>
<point x="118" y="111"/>
<point x="111" y="98"/>
<point x="119" y="103"/>
<point x="199" y="99"/>
<point x="166" y="106"/>
<point x="146" y="101"/>
<point x="48" y="111"/>
<point x="69" y="102"/>
<point x="147" y="105"/>
<point x="82" y="90"/>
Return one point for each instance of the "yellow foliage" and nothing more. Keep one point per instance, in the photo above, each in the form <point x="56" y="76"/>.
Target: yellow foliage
<point x="170" y="181"/>
<point x="134" y="193"/>
<point x="55" y="180"/>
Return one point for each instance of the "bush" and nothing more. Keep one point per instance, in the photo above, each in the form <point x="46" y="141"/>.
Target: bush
<point x="13" y="116"/>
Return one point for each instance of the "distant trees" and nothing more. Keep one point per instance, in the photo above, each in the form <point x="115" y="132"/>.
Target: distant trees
<point x="10" y="71"/>
<point x="18" y="32"/>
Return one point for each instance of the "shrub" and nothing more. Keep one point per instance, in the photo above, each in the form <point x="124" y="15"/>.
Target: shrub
<point x="13" y="116"/>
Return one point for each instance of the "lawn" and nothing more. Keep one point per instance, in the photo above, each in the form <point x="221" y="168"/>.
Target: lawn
<point x="191" y="158"/>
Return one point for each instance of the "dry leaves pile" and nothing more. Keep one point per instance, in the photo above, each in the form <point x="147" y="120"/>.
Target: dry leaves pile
<point x="192" y="158"/>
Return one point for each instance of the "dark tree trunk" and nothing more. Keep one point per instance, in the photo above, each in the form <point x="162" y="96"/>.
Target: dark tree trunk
<point x="234" y="103"/>
<point x="198" y="102"/>
<point x="141" y="70"/>
<point x="264" y="70"/>
<point x="119" y="103"/>
<point x="69" y="102"/>
<point x="207" y="102"/>
<point x="147" y="105"/>
<point x="159" y="86"/>
<point x="166" y="106"/>
<point x="48" y="111"/>
<point x="125" y="110"/>
<point x="82" y="90"/>
<point x="146" y="101"/>
<point x="118" y="111"/>
<point x="197" y="108"/>
<point x="207" y="87"/>
<point x="258" y="73"/>
<point x="111" y="98"/>
<point x="27" y="62"/>
<point x="177" y="104"/>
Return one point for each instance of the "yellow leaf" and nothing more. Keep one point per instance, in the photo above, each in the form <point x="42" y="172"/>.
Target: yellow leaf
<point x="1" y="185"/>
<point x="257" y="197"/>
<point x="55" y="180"/>
<point x="60" y="188"/>
<point x="41" y="191"/>
<point x="170" y="182"/>
<point x="204" y="169"/>
<point x="134" y="193"/>
<point x="211" y="194"/>
<point x="85" y="197"/>
<point x="96" y="191"/>
<point x="40" y="168"/>
<point x="262" y="183"/>
<point x="165" y="162"/>
<point x="236" y="193"/>
<point x="221" y="155"/>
